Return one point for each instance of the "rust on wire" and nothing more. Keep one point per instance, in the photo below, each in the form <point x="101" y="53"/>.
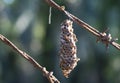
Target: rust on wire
<point x="101" y="36"/>
<point x="47" y="74"/>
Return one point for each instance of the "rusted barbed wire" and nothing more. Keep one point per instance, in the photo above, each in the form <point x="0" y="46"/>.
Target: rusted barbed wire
<point x="47" y="74"/>
<point x="101" y="36"/>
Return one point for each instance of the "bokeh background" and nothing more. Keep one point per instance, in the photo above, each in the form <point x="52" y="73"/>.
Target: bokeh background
<point x="25" y="23"/>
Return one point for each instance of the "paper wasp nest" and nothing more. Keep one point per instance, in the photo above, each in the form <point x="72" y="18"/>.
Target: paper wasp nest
<point x="68" y="49"/>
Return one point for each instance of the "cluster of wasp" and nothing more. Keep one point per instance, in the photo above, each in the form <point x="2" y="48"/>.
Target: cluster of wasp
<point x="68" y="49"/>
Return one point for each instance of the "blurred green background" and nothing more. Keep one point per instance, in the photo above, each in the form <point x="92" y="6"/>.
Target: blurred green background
<point x="25" y="23"/>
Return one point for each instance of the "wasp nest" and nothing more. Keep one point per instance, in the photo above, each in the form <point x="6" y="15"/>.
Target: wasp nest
<point x="68" y="49"/>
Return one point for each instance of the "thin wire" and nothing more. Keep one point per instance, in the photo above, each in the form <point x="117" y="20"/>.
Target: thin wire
<point x="50" y="10"/>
